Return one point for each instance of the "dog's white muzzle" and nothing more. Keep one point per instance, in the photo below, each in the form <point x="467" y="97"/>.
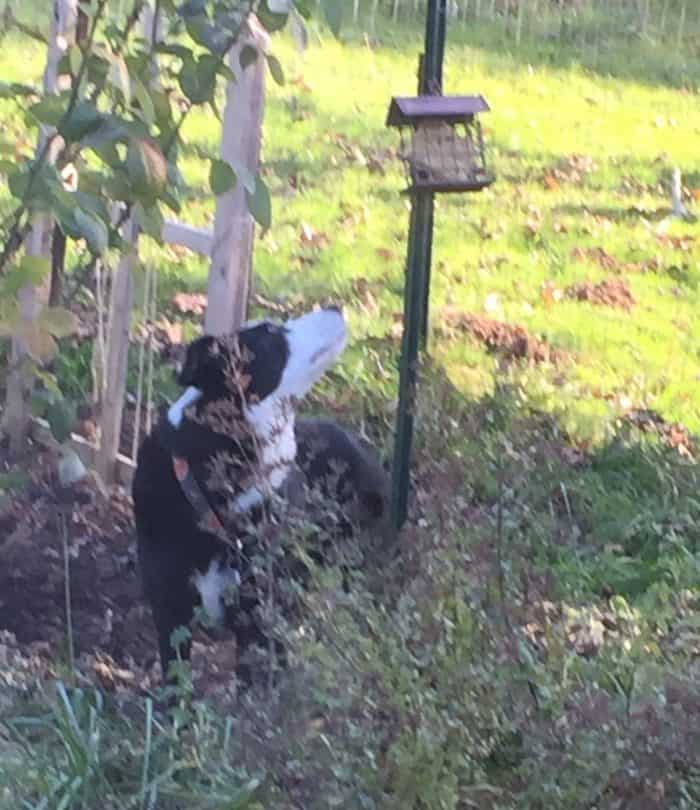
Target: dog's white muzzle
<point x="315" y="341"/>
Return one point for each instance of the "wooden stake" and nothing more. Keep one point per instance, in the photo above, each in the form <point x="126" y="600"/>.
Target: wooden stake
<point x="121" y="303"/>
<point x="232" y="249"/>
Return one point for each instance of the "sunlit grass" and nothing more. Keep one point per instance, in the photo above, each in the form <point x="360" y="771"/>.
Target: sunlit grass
<point x="325" y="129"/>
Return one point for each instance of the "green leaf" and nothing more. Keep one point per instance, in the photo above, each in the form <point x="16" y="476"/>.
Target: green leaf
<point x="61" y="416"/>
<point x="207" y="70"/>
<point x="14" y="89"/>
<point x="304" y="7"/>
<point x="215" y="39"/>
<point x="117" y="186"/>
<point x="147" y="169"/>
<point x="58" y="321"/>
<point x="173" y="49"/>
<point x="162" y="109"/>
<point x="91" y="200"/>
<point x="197" y="80"/>
<point x="98" y="67"/>
<point x="333" y="12"/>
<point x="119" y="76"/>
<point x="248" y="55"/>
<point x="7" y="167"/>
<point x="18" y="180"/>
<point x="40" y="401"/>
<point x="51" y="388"/>
<point x="222" y="177"/>
<point x="275" y="69"/>
<point x="151" y="221"/>
<point x="84" y="119"/>
<point x="171" y="201"/>
<point x="193" y="8"/>
<point x="75" y="58"/>
<point x="271" y="20"/>
<point x="93" y="230"/>
<point x="29" y="271"/>
<point x="227" y="73"/>
<point x="46" y="187"/>
<point x="48" y="110"/>
<point x="260" y="204"/>
<point x="143" y="97"/>
<point x="40" y="344"/>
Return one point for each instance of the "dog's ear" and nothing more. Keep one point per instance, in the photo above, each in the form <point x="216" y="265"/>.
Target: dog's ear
<point x="202" y="364"/>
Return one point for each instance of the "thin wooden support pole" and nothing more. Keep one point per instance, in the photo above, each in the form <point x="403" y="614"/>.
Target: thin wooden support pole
<point x="232" y="248"/>
<point x="150" y="352"/>
<point x="118" y="329"/>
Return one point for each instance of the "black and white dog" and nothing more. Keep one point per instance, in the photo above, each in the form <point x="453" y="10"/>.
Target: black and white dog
<point x="228" y="447"/>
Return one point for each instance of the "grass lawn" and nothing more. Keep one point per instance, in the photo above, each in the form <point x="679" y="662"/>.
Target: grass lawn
<point x="533" y="660"/>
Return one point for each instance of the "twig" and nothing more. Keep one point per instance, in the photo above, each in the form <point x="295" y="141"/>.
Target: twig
<point x="67" y="590"/>
<point x="153" y="308"/>
<point x="499" y="545"/>
<point x="131" y="21"/>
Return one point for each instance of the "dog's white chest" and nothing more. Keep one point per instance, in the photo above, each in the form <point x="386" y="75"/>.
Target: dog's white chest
<point x="272" y="424"/>
<point x="278" y="454"/>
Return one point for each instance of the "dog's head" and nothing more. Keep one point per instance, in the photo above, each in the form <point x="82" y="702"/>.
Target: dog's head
<point x="264" y="362"/>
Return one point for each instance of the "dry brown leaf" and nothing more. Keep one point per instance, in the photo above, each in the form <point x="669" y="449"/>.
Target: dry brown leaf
<point x="311" y="238"/>
<point x="386" y="254"/>
<point x="195" y="303"/>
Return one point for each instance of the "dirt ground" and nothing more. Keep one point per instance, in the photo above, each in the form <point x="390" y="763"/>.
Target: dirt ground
<point x="113" y="636"/>
<point x="612" y="292"/>
<point x="512" y="342"/>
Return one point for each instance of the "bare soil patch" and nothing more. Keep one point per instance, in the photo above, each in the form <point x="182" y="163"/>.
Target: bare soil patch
<point x="613" y="292"/>
<point x="510" y="341"/>
<point x="599" y="256"/>
<point x="114" y="640"/>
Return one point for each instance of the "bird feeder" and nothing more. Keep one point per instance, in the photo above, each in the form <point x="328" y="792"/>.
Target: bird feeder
<point x="442" y="144"/>
<point x="442" y="148"/>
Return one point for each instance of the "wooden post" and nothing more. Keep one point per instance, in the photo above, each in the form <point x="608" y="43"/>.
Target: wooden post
<point x="111" y="407"/>
<point x="118" y="327"/>
<point x="38" y="243"/>
<point x="232" y="248"/>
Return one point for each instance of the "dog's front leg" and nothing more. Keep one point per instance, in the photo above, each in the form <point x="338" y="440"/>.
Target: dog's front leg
<point x="171" y="612"/>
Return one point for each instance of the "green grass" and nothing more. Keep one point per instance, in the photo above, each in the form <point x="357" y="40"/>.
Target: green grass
<point x="546" y="106"/>
<point x="443" y="692"/>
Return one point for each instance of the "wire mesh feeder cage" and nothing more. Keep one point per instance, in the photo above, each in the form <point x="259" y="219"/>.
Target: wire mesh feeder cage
<point x="445" y="151"/>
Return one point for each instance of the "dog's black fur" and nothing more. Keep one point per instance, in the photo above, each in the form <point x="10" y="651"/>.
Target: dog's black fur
<point x="173" y="546"/>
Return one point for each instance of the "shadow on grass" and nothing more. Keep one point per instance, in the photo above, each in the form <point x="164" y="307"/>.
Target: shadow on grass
<point x="608" y="46"/>
<point x="621" y="517"/>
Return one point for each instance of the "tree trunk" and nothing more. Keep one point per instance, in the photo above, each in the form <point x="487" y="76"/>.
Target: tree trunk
<point x="38" y="243"/>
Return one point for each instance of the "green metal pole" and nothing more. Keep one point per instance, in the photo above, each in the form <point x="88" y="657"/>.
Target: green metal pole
<point x="415" y="291"/>
<point x="430" y="83"/>
<point x="417" y="284"/>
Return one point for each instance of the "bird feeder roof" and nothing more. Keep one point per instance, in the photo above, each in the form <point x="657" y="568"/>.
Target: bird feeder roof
<point x="450" y="109"/>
